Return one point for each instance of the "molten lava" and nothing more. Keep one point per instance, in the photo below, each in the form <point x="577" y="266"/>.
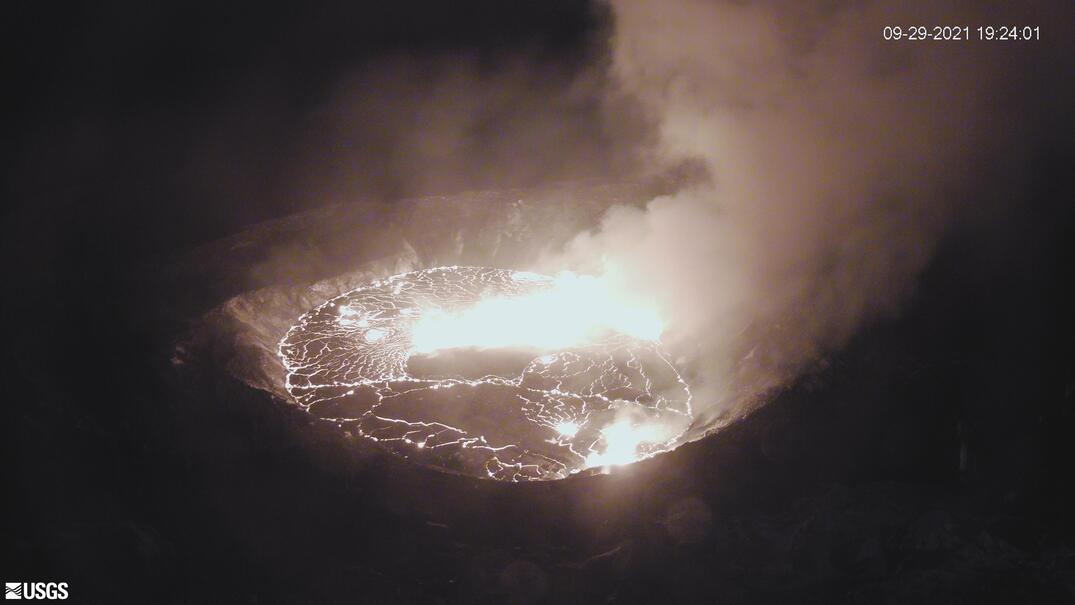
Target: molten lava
<point x="501" y="374"/>
<point x="570" y="311"/>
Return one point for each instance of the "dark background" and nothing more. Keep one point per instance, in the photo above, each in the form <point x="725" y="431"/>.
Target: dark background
<point x="929" y="461"/>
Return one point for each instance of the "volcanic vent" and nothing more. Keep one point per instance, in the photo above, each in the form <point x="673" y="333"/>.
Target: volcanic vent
<point x="489" y="372"/>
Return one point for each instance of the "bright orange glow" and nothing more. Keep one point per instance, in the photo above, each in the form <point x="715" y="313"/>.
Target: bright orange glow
<point x="590" y="384"/>
<point x="574" y="310"/>
<point x="622" y="441"/>
<point x="567" y="429"/>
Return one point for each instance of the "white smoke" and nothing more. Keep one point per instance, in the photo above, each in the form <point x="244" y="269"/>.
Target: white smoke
<point x="836" y="160"/>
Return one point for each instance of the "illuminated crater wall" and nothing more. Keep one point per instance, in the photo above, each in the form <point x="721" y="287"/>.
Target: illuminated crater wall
<point x="481" y="403"/>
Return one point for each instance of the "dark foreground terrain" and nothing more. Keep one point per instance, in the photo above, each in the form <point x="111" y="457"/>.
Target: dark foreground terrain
<point x="930" y="461"/>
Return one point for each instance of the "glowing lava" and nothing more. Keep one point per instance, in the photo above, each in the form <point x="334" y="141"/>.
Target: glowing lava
<point x="508" y="375"/>
<point x="569" y="311"/>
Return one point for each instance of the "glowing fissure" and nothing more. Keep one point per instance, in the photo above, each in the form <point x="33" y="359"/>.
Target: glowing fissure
<point x="592" y="384"/>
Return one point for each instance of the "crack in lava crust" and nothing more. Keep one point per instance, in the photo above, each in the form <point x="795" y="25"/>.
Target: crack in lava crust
<point x="507" y="414"/>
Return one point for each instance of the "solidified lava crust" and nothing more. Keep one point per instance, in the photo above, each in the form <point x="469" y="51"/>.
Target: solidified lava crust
<point x="497" y="413"/>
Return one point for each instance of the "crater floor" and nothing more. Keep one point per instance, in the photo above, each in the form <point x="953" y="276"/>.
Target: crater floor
<point x="507" y="414"/>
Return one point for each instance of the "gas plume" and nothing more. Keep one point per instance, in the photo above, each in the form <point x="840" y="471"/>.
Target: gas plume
<point x="835" y="161"/>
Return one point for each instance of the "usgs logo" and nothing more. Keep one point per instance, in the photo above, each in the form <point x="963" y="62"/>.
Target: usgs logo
<point x="35" y="590"/>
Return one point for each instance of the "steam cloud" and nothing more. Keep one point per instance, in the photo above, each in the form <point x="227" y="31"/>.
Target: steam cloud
<point x="835" y="160"/>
